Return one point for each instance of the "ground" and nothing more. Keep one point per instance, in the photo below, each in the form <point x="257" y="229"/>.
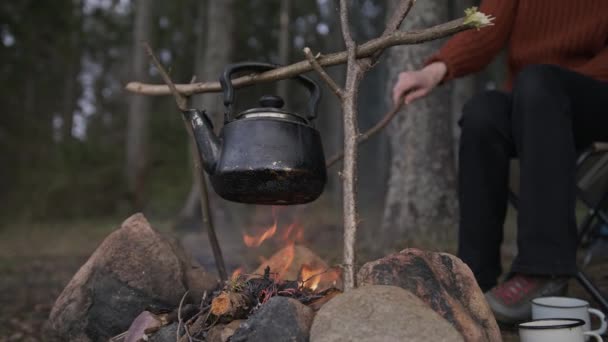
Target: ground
<point x="37" y="261"/>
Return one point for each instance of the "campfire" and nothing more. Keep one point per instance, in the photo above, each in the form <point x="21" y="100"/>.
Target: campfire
<point x="293" y="260"/>
<point x="140" y="285"/>
<point x="294" y="271"/>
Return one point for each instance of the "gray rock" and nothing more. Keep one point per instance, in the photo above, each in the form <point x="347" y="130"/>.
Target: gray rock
<point x="165" y="334"/>
<point x="380" y="313"/>
<point x="145" y="320"/>
<point x="223" y="332"/>
<point x="443" y="282"/>
<point x="134" y="269"/>
<point x="279" y="319"/>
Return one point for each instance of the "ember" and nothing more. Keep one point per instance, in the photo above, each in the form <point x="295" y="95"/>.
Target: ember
<point x="245" y="294"/>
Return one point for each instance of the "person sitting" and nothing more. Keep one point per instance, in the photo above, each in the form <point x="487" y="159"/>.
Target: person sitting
<point x="554" y="103"/>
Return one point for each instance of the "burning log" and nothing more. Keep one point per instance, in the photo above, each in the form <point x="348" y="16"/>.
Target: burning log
<point x="299" y="262"/>
<point x="233" y="305"/>
<point x="327" y="295"/>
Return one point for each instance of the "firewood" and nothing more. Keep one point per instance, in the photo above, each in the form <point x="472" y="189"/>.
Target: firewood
<point x="329" y="294"/>
<point x="233" y="305"/>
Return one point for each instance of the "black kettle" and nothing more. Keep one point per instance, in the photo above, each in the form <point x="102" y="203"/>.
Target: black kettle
<point x="263" y="155"/>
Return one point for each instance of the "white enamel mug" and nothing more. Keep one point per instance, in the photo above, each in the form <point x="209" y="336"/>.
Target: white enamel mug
<point x="566" y="307"/>
<point x="555" y="330"/>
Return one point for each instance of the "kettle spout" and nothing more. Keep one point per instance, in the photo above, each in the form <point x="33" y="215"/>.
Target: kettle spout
<point x="207" y="143"/>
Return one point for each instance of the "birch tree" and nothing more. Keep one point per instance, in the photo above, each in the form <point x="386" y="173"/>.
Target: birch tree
<point x="137" y="120"/>
<point x="421" y="198"/>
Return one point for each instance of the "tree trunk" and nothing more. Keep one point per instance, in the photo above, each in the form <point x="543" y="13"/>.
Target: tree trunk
<point x="421" y="198"/>
<point x="71" y="80"/>
<point x="284" y="14"/>
<point x="213" y="52"/>
<point x="330" y="122"/>
<point x="139" y="106"/>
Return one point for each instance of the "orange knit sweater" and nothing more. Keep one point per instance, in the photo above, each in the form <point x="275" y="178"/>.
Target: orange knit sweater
<point x="569" y="33"/>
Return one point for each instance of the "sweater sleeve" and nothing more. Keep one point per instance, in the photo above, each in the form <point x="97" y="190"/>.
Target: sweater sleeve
<point x="469" y="51"/>
<point x="596" y="67"/>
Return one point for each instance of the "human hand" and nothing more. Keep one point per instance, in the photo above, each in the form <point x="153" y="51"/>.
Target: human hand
<point x="412" y="85"/>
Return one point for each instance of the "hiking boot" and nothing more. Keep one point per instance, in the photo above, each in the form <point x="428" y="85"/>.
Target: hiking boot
<point x="510" y="301"/>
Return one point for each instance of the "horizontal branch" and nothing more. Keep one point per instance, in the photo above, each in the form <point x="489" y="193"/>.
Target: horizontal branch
<point x="365" y="50"/>
<point x="180" y="99"/>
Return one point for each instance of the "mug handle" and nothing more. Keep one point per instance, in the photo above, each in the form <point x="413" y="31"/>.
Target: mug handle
<point x="602" y="317"/>
<point x="597" y="337"/>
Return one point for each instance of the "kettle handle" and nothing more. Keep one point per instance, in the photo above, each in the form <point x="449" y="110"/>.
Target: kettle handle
<point x="229" y="70"/>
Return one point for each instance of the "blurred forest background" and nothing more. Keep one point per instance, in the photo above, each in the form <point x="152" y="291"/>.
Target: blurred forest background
<point x="78" y="153"/>
<point x="74" y="144"/>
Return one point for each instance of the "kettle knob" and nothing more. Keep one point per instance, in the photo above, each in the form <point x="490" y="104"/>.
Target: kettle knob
<point x="271" y="101"/>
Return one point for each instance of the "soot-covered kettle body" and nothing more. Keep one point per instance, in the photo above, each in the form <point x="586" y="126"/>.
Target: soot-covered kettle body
<point x="263" y="155"/>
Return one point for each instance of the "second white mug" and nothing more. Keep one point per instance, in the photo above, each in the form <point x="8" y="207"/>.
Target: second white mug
<point x="555" y="330"/>
<point x="566" y="307"/>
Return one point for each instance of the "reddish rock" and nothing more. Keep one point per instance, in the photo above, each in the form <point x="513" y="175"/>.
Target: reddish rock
<point x="135" y="268"/>
<point x="443" y="282"/>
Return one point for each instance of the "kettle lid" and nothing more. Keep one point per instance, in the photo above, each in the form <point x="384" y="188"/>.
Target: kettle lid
<point x="271" y="106"/>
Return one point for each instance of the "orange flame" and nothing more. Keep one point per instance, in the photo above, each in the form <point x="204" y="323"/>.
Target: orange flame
<point x="288" y="256"/>
<point x="256" y="241"/>
<point x="293" y="233"/>
<point x="310" y="277"/>
<point x="313" y="277"/>
<point x="236" y="273"/>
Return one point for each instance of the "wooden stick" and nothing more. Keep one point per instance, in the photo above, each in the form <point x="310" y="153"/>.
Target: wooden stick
<point x="379" y="126"/>
<point x="208" y="222"/>
<point x="365" y="50"/>
<point x="233" y="305"/>
<point x="324" y="76"/>
<point x="354" y="74"/>
<point x="182" y="104"/>
<point x="180" y="100"/>
<point x="392" y="25"/>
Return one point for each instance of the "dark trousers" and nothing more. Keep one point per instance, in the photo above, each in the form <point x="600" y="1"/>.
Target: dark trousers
<point x="550" y="115"/>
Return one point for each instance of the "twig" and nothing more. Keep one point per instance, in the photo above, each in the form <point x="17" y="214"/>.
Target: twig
<point x="380" y="125"/>
<point x="182" y="103"/>
<point x="203" y="300"/>
<point x="187" y="333"/>
<point x="205" y="210"/>
<point x="324" y="76"/>
<point x="179" y="316"/>
<point x="402" y="10"/>
<point x="180" y="100"/>
<point x="208" y="221"/>
<point x="365" y="50"/>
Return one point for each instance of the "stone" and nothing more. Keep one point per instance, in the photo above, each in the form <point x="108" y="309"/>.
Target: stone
<point x="442" y="281"/>
<point x="166" y="333"/>
<point x="223" y="332"/>
<point x="146" y="320"/>
<point x="279" y="319"/>
<point x="134" y="269"/>
<point x="380" y="313"/>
